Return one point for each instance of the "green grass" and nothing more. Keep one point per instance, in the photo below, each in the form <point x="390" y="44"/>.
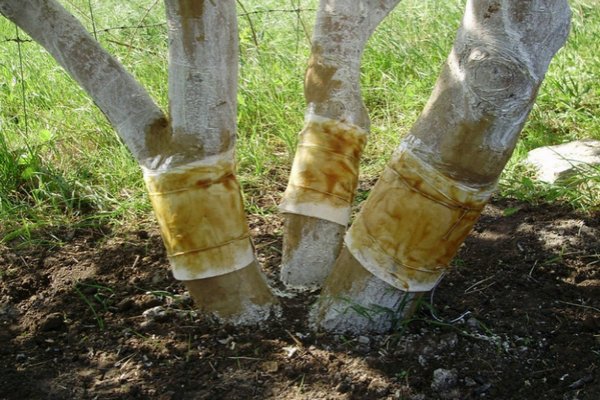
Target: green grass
<point x="61" y="163"/>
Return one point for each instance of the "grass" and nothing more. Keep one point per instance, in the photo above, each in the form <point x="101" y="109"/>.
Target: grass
<point x="61" y="163"/>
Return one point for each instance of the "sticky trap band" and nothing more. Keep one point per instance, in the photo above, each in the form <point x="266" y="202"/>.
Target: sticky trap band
<point x="325" y="170"/>
<point x="201" y="216"/>
<point x="413" y="223"/>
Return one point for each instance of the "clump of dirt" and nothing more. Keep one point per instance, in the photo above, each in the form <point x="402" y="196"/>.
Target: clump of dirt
<point x="98" y="316"/>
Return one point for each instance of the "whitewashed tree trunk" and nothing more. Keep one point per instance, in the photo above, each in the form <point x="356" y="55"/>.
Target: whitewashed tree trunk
<point x="325" y="171"/>
<point x="188" y="159"/>
<point x="438" y="180"/>
<point x="216" y="259"/>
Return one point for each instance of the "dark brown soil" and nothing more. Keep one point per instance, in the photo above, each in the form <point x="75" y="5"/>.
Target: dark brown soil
<point x="72" y="323"/>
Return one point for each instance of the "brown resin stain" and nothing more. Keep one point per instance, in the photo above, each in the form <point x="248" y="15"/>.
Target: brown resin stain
<point x="408" y="220"/>
<point x="158" y="137"/>
<point x="491" y="10"/>
<point x="228" y="295"/>
<point x="466" y="155"/>
<point x="227" y="141"/>
<point x="201" y="216"/>
<point x="191" y="12"/>
<point x="346" y="276"/>
<point x="326" y="164"/>
<point x="318" y="81"/>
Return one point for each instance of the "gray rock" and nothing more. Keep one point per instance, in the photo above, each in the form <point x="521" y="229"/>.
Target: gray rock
<point x="364" y="340"/>
<point x="557" y="163"/>
<point x="158" y="313"/>
<point x="444" y="379"/>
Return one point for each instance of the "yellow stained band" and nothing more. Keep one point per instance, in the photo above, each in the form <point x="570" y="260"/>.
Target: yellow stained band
<point x="201" y="216"/>
<point x="324" y="174"/>
<point x="413" y="223"/>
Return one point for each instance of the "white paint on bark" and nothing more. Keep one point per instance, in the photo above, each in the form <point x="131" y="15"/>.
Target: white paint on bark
<point x="342" y="29"/>
<point x="227" y="156"/>
<point x="252" y="315"/>
<point x="488" y="85"/>
<point x="374" y="306"/>
<point x="332" y="91"/>
<point x="202" y="95"/>
<point x="125" y="103"/>
<point x="203" y="69"/>
<point x="470" y="124"/>
<point x="308" y="266"/>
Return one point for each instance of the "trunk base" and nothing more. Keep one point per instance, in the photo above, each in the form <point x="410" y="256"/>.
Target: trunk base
<point x="310" y="247"/>
<point x="355" y="301"/>
<point x="242" y="297"/>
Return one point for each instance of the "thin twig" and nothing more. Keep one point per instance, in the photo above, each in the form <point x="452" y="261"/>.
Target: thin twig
<point x="93" y="19"/>
<point x="247" y="15"/>
<point x="580" y="305"/>
<point x="139" y="25"/>
<point x="468" y="290"/>
<point x="277" y="11"/>
<point x="25" y="116"/>
<point x="133" y="47"/>
<point x="16" y="40"/>
<point x="135" y="27"/>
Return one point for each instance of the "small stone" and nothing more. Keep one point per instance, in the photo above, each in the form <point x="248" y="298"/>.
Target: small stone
<point x="578" y="384"/>
<point x="21" y="357"/>
<point x="364" y="340"/>
<point x="362" y="349"/>
<point x="157" y="313"/>
<point x="147" y="301"/>
<point x="52" y="322"/>
<point x="343" y="387"/>
<point x="482" y="389"/>
<point x="444" y="379"/>
<point x="469" y="382"/>
<point x="378" y="387"/>
<point x="473" y="324"/>
<point x="270" y="367"/>
<point x="125" y="304"/>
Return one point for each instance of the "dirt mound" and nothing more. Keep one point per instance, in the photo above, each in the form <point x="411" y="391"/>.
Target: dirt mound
<point x="96" y="315"/>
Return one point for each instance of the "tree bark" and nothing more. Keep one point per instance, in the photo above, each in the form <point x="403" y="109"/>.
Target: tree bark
<point x="439" y="179"/>
<point x="129" y="108"/>
<point x="188" y="161"/>
<point x="324" y="175"/>
<point x="217" y="254"/>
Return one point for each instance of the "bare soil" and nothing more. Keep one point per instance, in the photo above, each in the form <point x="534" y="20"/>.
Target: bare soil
<point x="98" y="316"/>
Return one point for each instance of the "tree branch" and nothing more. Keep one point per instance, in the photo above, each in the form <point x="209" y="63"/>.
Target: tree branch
<point x="121" y="98"/>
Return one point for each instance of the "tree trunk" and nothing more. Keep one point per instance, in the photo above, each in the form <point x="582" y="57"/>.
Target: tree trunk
<point x="324" y="175"/>
<point x="188" y="162"/>
<point x="216" y="251"/>
<point x="439" y="179"/>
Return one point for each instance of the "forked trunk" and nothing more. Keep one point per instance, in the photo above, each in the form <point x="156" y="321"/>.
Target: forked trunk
<point x="201" y="212"/>
<point x="188" y="161"/>
<point x="324" y="175"/>
<point x="440" y="177"/>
